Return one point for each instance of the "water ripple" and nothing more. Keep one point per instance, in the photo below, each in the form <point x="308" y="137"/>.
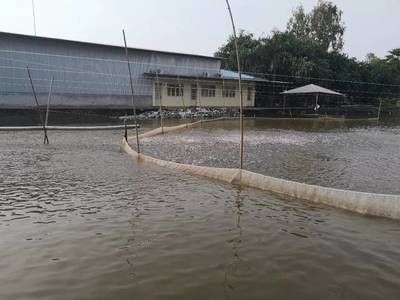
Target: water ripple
<point x="80" y="220"/>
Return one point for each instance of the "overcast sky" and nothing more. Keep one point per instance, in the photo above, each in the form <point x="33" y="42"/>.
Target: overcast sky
<point x="193" y="26"/>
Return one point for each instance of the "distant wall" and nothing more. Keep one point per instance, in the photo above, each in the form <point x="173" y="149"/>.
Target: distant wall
<point x="85" y="75"/>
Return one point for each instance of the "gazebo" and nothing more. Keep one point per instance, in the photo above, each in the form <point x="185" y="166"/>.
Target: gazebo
<point x="310" y="89"/>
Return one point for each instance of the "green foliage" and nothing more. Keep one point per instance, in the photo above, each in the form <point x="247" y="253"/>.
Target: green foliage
<point x="311" y="48"/>
<point x="299" y="24"/>
<point x="394" y="56"/>
<point x="323" y="25"/>
<point x="247" y="47"/>
<point x="326" y="26"/>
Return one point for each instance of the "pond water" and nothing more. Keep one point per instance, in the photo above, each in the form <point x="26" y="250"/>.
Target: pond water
<point x="81" y="220"/>
<point x="354" y="155"/>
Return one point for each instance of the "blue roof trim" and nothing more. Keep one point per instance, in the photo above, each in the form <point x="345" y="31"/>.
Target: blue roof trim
<point x="227" y="74"/>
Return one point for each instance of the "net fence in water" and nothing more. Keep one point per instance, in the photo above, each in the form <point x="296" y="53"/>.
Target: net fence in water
<point x="371" y="204"/>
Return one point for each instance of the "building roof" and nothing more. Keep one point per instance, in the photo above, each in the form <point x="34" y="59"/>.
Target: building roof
<point x="105" y="45"/>
<point x="311" y="89"/>
<point x="222" y="75"/>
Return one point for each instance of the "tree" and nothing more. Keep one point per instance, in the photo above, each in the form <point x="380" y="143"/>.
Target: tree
<point x="247" y="46"/>
<point x="393" y="65"/>
<point x="323" y="24"/>
<point x="299" y="24"/>
<point x="327" y="26"/>
<point x="371" y="58"/>
<point x="394" y="56"/>
<point x="311" y="48"/>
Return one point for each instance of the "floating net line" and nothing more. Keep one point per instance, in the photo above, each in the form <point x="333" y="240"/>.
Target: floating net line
<point x="379" y="205"/>
<point x="67" y="128"/>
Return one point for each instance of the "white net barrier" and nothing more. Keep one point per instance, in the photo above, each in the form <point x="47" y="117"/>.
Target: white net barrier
<point x="379" y="205"/>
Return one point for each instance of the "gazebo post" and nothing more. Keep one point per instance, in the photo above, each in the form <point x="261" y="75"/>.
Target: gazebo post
<point x="316" y="102"/>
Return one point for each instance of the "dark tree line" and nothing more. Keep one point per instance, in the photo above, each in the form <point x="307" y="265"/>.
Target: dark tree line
<point x="310" y="50"/>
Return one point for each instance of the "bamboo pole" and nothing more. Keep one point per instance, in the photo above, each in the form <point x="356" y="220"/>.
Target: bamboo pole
<point x="132" y="93"/>
<point x="183" y="100"/>
<point x="223" y="97"/>
<point x="45" y="138"/>
<point x="379" y="110"/>
<point x="34" y="17"/>
<point x="240" y="84"/>
<point x="159" y="90"/>
<point x="199" y="96"/>
<point x="48" y="102"/>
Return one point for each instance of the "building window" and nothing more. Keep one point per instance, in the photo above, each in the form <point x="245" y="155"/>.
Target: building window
<point x="229" y="92"/>
<point x="194" y="92"/>
<point x="175" y="90"/>
<point x="250" y="92"/>
<point x="208" y="91"/>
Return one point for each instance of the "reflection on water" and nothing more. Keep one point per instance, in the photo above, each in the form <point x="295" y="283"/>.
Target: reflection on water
<point x="238" y="267"/>
<point x="336" y="154"/>
<point x="80" y="220"/>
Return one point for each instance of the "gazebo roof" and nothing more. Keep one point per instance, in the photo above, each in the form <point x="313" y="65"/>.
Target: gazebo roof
<point x="311" y="89"/>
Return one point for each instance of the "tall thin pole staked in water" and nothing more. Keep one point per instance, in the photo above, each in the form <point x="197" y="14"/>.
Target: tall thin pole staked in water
<point x="158" y="91"/>
<point x="240" y="83"/>
<point x="198" y="97"/>
<point x="34" y="17"/>
<point x="48" y="102"/>
<point x="379" y="110"/>
<point x="45" y="139"/>
<point x="132" y="93"/>
<point x="181" y="91"/>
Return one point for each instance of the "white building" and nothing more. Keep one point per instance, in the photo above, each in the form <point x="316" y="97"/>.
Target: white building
<point x="221" y="91"/>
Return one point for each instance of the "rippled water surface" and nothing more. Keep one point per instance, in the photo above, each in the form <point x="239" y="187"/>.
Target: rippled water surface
<point x="327" y="153"/>
<point x="80" y="220"/>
